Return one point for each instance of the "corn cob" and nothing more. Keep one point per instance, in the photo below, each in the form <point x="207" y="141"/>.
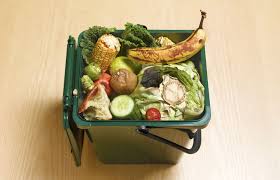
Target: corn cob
<point x="105" y="50"/>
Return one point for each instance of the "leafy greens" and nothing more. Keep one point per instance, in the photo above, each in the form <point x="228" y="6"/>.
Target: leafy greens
<point x="134" y="35"/>
<point x="186" y="73"/>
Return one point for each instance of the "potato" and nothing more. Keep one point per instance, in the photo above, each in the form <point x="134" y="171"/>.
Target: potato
<point x="123" y="81"/>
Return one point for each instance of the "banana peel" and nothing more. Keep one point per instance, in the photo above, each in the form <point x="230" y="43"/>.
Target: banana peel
<point x="173" y="53"/>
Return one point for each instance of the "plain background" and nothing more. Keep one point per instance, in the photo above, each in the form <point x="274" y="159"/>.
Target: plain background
<point x="242" y="139"/>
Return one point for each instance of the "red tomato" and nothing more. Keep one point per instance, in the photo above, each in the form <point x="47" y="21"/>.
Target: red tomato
<point x="104" y="79"/>
<point x="153" y="114"/>
<point x="89" y="96"/>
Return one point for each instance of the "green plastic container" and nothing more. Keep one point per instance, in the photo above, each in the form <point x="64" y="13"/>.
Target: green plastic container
<point x="124" y="141"/>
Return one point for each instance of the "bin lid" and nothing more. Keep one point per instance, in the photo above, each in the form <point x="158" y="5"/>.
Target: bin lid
<point x="74" y="134"/>
<point x="75" y="137"/>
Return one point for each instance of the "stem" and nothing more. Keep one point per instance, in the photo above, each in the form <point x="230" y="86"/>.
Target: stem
<point x="203" y="16"/>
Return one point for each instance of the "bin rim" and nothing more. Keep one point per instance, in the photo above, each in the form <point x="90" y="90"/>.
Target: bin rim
<point x="199" y="123"/>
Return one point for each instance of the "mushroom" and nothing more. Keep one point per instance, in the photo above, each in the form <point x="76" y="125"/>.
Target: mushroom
<point x="173" y="92"/>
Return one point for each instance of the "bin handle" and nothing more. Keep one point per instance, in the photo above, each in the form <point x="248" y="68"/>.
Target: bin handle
<point x="195" y="136"/>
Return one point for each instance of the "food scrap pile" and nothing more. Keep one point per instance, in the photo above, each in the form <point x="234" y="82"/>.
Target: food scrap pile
<point x="136" y="76"/>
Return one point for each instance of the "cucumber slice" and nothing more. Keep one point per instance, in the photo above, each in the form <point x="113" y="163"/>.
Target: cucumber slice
<point x="122" y="106"/>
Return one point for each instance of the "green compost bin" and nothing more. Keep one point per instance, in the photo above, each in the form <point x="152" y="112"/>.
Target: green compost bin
<point x="130" y="141"/>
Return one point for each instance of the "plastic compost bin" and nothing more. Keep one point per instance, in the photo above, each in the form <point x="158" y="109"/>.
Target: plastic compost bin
<point x="130" y="141"/>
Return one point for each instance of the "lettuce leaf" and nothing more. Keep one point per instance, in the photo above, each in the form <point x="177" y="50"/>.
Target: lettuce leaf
<point x="189" y="77"/>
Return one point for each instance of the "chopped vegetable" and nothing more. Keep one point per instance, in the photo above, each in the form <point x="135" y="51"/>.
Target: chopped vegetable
<point x="104" y="79"/>
<point x="105" y="51"/>
<point x="123" y="62"/>
<point x="153" y="114"/>
<point x="123" y="81"/>
<point x="89" y="38"/>
<point x="93" y="71"/>
<point x="96" y="104"/>
<point x="87" y="83"/>
<point x="89" y="97"/>
<point x="152" y="77"/>
<point x="122" y="106"/>
<point x="136" y="35"/>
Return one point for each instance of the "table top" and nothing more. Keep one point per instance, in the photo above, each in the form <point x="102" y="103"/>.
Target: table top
<point x="242" y="139"/>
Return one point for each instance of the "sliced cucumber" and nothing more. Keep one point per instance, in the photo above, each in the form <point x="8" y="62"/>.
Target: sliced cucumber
<point x="122" y="106"/>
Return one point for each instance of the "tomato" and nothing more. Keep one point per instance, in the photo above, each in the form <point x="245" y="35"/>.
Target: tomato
<point x="89" y="96"/>
<point x="153" y="114"/>
<point x="104" y="79"/>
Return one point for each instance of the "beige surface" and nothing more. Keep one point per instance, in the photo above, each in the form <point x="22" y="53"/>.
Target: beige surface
<point x="242" y="140"/>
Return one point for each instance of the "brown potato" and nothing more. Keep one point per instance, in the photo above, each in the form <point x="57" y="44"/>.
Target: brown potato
<point x="123" y="81"/>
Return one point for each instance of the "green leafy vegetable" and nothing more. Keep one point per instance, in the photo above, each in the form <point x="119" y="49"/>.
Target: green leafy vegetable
<point x="146" y="98"/>
<point x="90" y="37"/>
<point x="186" y="73"/>
<point x="133" y="36"/>
<point x="189" y="77"/>
<point x="136" y="35"/>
